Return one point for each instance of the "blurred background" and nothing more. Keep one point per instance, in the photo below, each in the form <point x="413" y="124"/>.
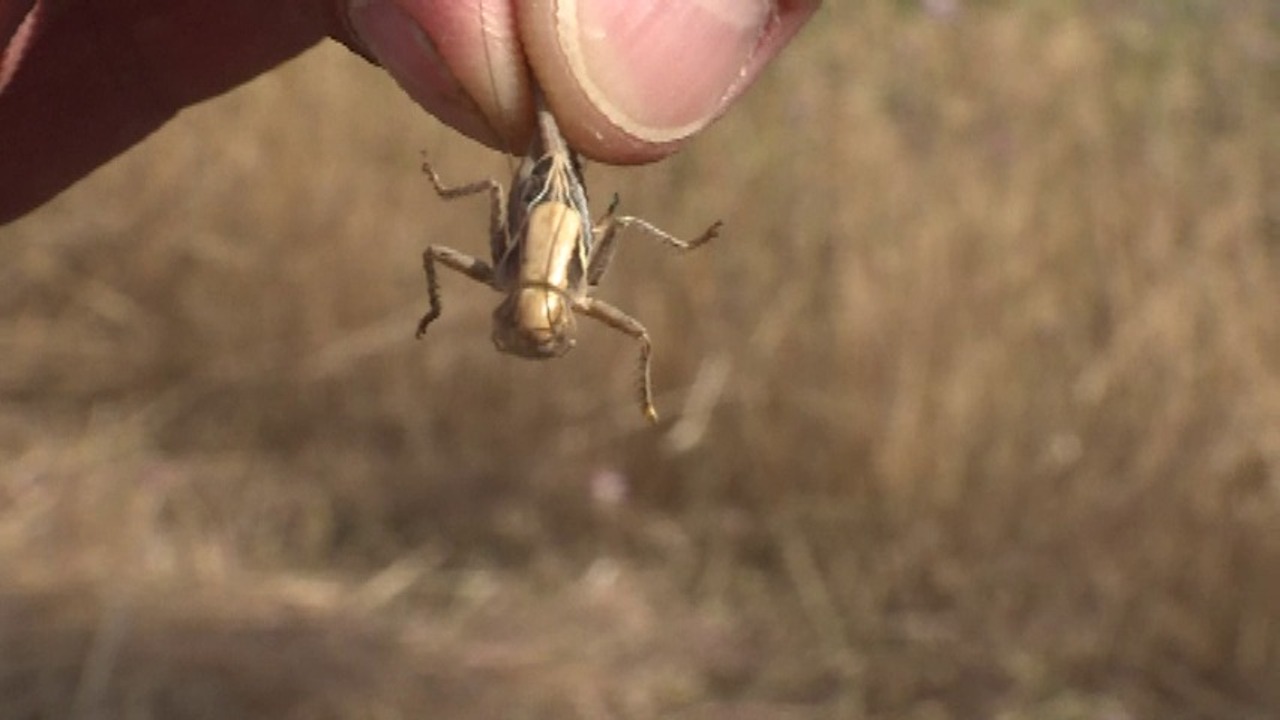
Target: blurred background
<point x="973" y="410"/>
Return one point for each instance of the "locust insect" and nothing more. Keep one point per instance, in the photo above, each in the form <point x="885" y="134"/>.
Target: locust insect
<point x="546" y="255"/>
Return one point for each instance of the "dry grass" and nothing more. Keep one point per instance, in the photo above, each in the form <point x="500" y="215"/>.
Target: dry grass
<point x="974" y="409"/>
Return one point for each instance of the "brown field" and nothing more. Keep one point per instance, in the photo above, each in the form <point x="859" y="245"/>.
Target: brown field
<point x="973" y="411"/>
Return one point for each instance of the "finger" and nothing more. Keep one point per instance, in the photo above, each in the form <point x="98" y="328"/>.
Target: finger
<point x="459" y="59"/>
<point x="83" y="82"/>
<point x="631" y="79"/>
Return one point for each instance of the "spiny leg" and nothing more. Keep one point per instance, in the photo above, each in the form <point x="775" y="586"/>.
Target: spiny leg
<point x="474" y="268"/>
<point x="607" y="229"/>
<point x="497" y="204"/>
<point x="618" y="320"/>
<point x="608" y="213"/>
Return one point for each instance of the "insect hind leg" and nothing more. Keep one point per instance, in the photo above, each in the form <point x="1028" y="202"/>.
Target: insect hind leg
<point x="618" y="320"/>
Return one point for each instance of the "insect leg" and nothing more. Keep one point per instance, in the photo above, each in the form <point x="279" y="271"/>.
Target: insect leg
<point x="618" y="320"/>
<point x="497" y="204"/>
<point x="608" y="213"/>
<point x="474" y="268"/>
<point x="606" y="231"/>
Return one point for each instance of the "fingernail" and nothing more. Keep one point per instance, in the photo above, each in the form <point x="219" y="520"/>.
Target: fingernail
<point x="660" y="69"/>
<point x="398" y="42"/>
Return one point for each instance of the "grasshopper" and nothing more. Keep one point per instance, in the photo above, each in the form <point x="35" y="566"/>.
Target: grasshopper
<point x="546" y="254"/>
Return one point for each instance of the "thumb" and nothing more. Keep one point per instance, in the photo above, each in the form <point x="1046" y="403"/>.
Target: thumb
<point x="631" y="79"/>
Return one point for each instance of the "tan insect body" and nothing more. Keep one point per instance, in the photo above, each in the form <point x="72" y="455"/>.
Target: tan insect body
<point x="549" y="248"/>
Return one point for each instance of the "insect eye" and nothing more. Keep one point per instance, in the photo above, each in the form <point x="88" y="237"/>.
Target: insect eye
<point x="537" y="183"/>
<point x="530" y="194"/>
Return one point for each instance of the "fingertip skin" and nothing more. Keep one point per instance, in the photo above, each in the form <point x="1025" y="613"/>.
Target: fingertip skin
<point x="587" y="129"/>
<point x="632" y="80"/>
<point x="460" y="60"/>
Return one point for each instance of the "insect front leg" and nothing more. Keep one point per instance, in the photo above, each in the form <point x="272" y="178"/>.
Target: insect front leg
<point x="618" y="320"/>
<point x="497" y="204"/>
<point x="606" y="231"/>
<point x="474" y="268"/>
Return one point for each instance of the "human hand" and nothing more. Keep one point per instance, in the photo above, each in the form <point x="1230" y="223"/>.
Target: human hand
<point x="81" y="82"/>
<point x="628" y="80"/>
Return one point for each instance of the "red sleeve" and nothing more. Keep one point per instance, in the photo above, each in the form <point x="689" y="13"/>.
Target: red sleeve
<point x="83" y="80"/>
